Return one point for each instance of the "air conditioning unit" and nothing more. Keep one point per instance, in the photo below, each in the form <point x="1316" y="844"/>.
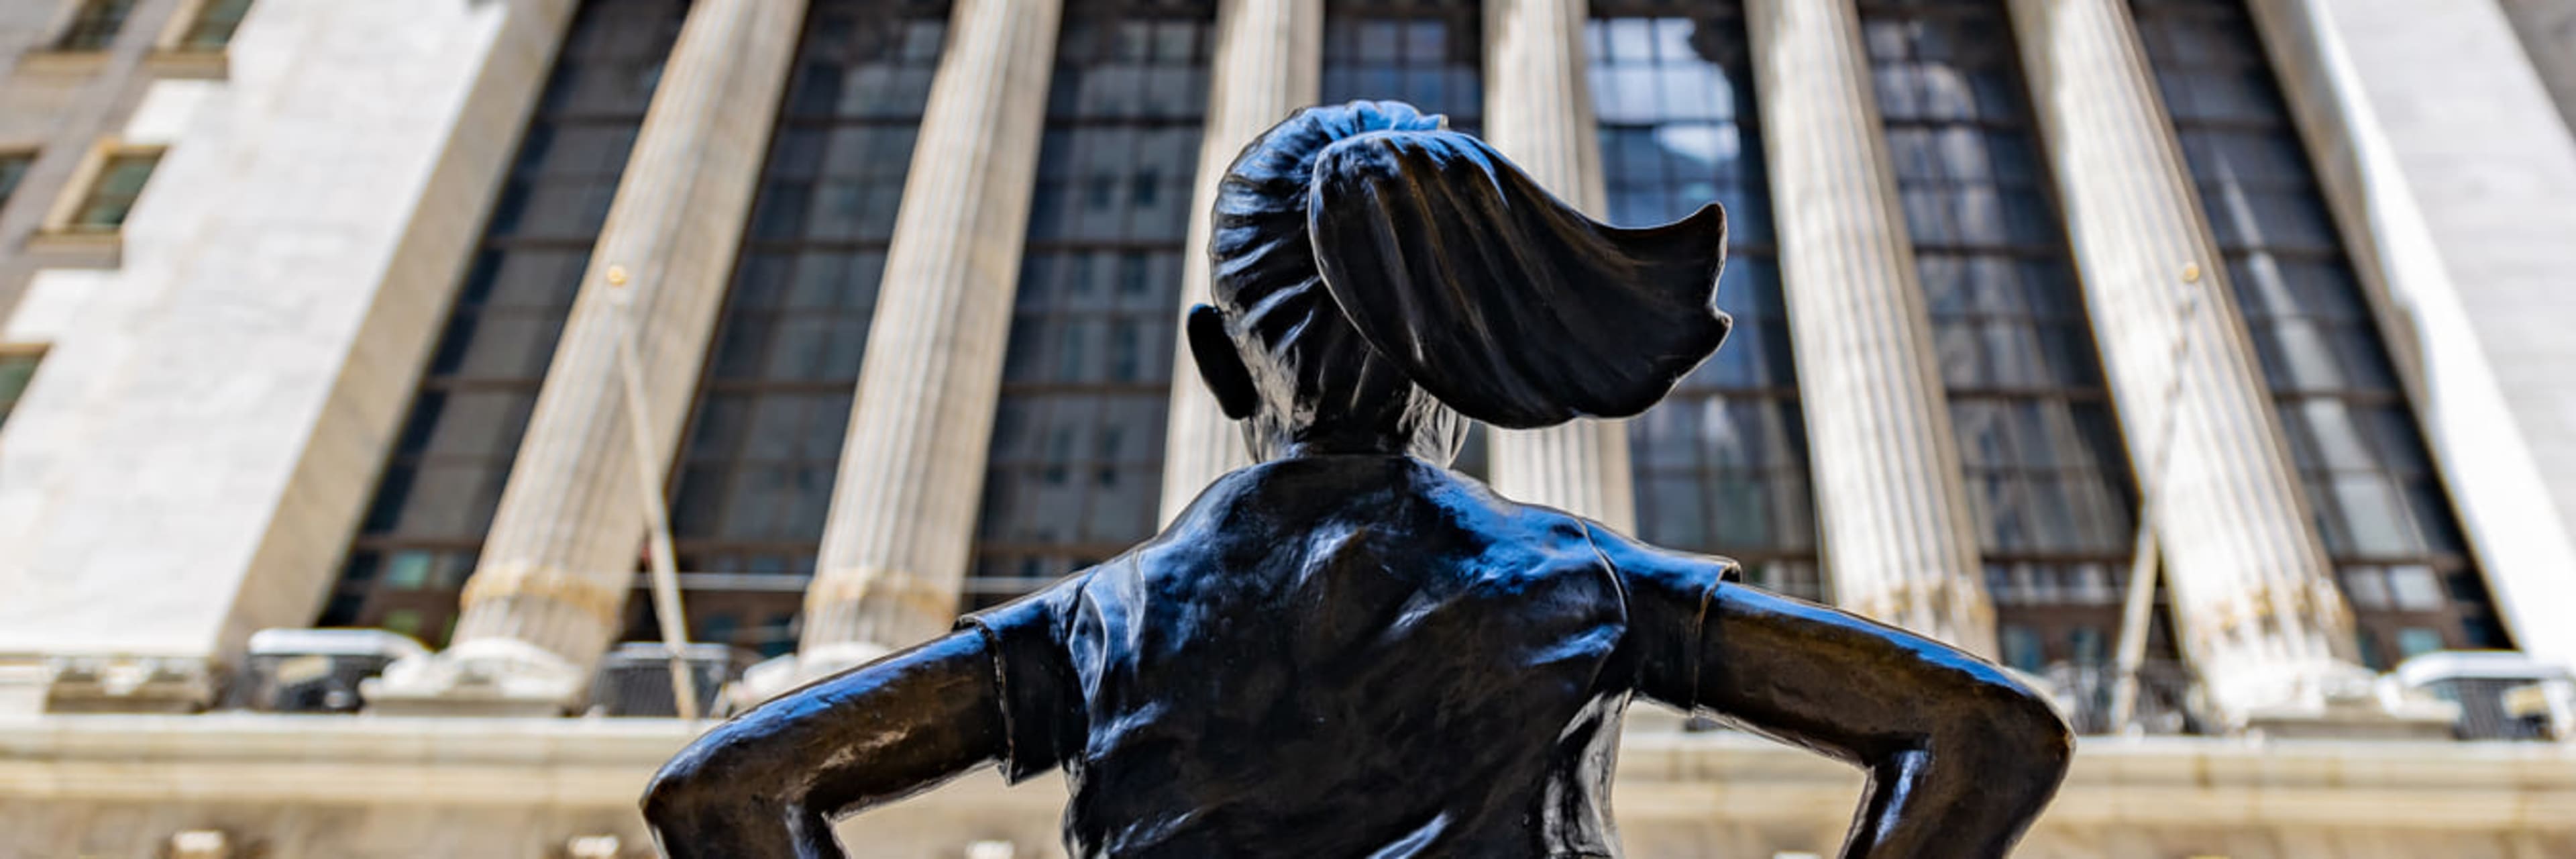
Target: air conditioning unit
<point x="314" y="670"/>
<point x="635" y="678"/>
<point x="2503" y="695"/>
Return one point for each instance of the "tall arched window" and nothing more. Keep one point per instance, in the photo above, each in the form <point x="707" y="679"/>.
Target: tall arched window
<point x="1077" y="455"/>
<point x="2379" y="503"/>
<point x="2045" y="468"/>
<point x="438" y="491"/>
<point x="1721" y="465"/>
<point x="757" y="465"/>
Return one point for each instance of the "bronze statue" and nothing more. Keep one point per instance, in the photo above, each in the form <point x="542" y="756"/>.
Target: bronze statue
<point x="1349" y="650"/>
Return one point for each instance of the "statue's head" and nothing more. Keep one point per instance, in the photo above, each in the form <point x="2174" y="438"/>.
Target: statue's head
<point x="1378" y="277"/>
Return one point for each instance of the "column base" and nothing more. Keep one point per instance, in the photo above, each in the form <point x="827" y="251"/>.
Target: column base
<point x="2335" y="700"/>
<point x="785" y="674"/>
<point x="2362" y="720"/>
<point x="486" y="678"/>
<point x="108" y="684"/>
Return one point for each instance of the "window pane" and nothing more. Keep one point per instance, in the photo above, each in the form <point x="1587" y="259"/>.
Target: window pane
<point x="216" y="21"/>
<point x="1427" y="52"/>
<point x="13" y="169"/>
<point x="16" y="370"/>
<point x="95" y="25"/>
<point x="111" y="196"/>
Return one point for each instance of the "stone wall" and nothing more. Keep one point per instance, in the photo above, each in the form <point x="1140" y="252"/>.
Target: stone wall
<point x="367" y="787"/>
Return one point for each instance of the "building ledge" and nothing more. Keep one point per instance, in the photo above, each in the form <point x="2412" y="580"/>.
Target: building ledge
<point x="603" y="763"/>
<point x="103" y="249"/>
<point x="56" y="62"/>
<point x="180" y="64"/>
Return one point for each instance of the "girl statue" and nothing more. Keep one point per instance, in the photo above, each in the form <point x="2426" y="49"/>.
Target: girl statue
<point x="1348" y="650"/>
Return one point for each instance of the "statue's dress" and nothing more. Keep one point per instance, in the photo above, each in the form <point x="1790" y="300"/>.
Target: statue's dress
<point x="1346" y="656"/>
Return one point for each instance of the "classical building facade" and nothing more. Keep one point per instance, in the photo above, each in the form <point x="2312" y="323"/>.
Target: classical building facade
<point x="417" y="316"/>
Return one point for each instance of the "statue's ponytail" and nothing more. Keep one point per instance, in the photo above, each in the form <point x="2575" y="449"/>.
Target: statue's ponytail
<point x="1503" y="302"/>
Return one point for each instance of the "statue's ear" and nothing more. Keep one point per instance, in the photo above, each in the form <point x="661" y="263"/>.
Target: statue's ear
<point x="1219" y="364"/>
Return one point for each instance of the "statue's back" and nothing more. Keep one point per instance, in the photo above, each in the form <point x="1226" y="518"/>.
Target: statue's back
<point x="1360" y="655"/>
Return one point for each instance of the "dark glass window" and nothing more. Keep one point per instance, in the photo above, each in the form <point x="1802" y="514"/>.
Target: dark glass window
<point x="763" y="449"/>
<point x="2377" y="500"/>
<point x="17" y="368"/>
<point x="436" y="497"/>
<point x="95" y="25"/>
<point x="1721" y="465"/>
<point x="13" y="169"/>
<point x="1077" y="453"/>
<point x="1429" y="53"/>
<point x="2045" y="469"/>
<point x="213" y="28"/>
<point x="113" y="193"/>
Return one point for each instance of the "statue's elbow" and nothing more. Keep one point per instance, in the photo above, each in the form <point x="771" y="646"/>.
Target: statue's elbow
<point x="2022" y="739"/>
<point x="681" y="791"/>
<point x="701" y="789"/>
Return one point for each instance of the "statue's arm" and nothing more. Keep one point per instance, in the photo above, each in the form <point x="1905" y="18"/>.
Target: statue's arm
<point x="1961" y="758"/>
<point x="767" y="783"/>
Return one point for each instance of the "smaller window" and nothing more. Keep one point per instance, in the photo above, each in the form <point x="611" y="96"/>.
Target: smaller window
<point x="2022" y="649"/>
<point x="2416" y="641"/>
<point x="214" y="25"/>
<point x="111" y="196"/>
<point x="403" y="620"/>
<point x="16" y="369"/>
<point x="13" y="167"/>
<point x="95" y="25"/>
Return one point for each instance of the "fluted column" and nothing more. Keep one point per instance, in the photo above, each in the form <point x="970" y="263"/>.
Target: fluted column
<point x="912" y="467"/>
<point x="1268" y="63"/>
<point x="1538" y="111"/>
<point x="547" y="595"/>
<point x="2253" y="592"/>
<point x="1899" y="540"/>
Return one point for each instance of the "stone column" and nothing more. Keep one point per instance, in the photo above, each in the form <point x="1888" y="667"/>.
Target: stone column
<point x="1538" y="111"/>
<point x="1898" y="537"/>
<point x="912" y="468"/>
<point x="2253" y="591"/>
<point x="548" y="594"/>
<point x="1268" y="63"/>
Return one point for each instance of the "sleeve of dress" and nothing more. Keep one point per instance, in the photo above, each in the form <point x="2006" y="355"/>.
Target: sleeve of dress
<point x="1042" y="713"/>
<point x="1670" y="594"/>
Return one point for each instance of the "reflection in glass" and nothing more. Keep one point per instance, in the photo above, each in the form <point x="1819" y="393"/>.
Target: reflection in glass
<point x="2371" y="487"/>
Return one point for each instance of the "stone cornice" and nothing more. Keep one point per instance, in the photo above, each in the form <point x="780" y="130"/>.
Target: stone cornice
<point x="602" y="764"/>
